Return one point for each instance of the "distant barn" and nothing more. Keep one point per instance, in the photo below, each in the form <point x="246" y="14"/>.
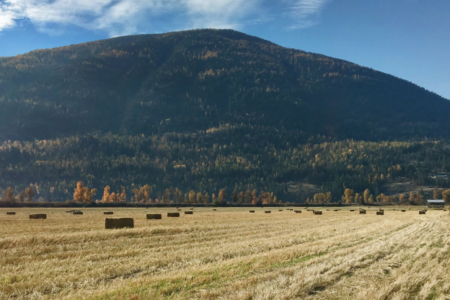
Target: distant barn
<point x="435" y="203"/>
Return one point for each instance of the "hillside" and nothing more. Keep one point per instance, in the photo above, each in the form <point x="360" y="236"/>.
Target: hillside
<point x="196" y="80"/>
<point x="212" y="109"/>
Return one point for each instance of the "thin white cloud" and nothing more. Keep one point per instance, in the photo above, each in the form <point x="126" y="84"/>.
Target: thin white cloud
<point x="303" y="12"/>
<point x="119" y="17"/>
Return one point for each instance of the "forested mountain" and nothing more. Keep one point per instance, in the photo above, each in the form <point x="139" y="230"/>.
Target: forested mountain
<point x="195" y="80"/>
<point x="211" y="109"/>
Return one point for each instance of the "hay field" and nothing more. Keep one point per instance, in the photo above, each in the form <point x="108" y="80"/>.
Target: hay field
<point x="225" y="254"/>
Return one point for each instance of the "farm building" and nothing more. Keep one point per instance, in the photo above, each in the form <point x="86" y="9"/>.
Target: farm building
<point x="435" y="203"/>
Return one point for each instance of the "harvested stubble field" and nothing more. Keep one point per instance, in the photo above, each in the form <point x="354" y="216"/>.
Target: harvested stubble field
<point x="226" y="254"/>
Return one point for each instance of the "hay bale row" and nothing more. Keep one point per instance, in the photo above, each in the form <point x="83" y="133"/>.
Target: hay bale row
<point x="119" y="223"/>
<point x="188" y="212"/>
<point x="380" y="213"/>
<point x="154" y="216"/>
<point x="173" y="215"/>
<point x="11" y="213"/>
<point x="38" y="216"/>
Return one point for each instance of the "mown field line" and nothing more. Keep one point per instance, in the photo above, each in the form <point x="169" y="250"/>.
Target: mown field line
<point x="247" y="271"/>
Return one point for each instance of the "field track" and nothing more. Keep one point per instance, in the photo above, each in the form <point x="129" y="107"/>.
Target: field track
<point x="225" y="254"/>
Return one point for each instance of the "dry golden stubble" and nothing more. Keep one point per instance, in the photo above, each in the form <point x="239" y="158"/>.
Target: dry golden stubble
<point x="228" y="254"/>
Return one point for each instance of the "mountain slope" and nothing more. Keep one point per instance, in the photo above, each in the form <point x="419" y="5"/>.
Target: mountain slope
<point x="195" y="80"/>
<point x="210" y="109"/>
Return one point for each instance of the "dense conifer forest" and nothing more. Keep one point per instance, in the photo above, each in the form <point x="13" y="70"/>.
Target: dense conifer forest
<point x="232" y="157"/>
<point x="210" y="111"/>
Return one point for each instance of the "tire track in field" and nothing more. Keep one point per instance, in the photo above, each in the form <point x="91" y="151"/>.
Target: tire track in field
<point x="329" y="270"/>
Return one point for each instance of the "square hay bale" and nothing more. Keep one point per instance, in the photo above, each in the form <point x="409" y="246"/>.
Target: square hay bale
<point x="336" y="210"/>
<point x="298" y="211"/>
<point x="173" y="215"/>
<point x="403" y="210"/>
<point x="214" y="209"/>
<point x="179" y="209"/>
<point x="70" y="211"/>
<point x="268" y="211"/>
<point x="192" y="208"/>
<point x="154" y="216"/>
<point x="108" y="213"/>
<point x="188" y="212"/>
<point x="352" y="210"/>
<point x="38" y="216"/>
<point x="280" y="210"/>
<point x="77" y="212"/>
<point x="422" y="212"/>
<point x="317" y="212"/>
<point x="380" y="213"/>
<point x="252" y="211"/>
<point x="119" y="223"/>
<point x="11" y="213"/>
<point x="362" y="212"/>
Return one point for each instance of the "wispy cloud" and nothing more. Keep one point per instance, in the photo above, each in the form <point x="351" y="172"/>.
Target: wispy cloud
<point x="304" y="12"/>
<point x="119" y="17"/>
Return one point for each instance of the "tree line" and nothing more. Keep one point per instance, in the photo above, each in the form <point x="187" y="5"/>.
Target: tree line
<point x="142" y="195"/>
<point x="237" y="158"/>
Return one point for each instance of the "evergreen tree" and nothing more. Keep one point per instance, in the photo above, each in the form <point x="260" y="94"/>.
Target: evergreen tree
<point x="437" y="194"/>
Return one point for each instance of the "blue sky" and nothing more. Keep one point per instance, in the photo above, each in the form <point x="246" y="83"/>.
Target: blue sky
<point x="406" y="38"/>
